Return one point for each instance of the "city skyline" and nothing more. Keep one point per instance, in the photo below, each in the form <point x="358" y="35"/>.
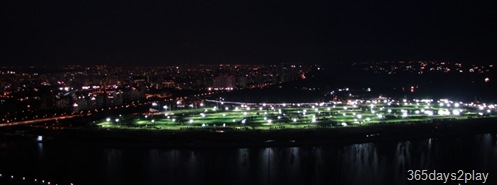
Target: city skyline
<point x="125" y="33"/>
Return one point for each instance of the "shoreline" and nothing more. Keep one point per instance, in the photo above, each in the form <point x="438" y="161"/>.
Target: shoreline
<point x="218" y="138"/>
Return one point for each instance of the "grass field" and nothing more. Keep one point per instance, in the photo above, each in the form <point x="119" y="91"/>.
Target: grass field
<point x="322" y="115"/>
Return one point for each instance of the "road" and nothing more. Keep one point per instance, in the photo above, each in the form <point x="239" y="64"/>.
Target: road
<point x="36" y="120"/>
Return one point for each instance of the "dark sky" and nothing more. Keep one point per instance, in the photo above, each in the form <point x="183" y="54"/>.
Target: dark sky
<point x="166" y="32"/>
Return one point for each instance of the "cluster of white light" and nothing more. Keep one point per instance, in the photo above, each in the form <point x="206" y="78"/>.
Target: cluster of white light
<point x="456" y="112"/>
<point x="429" y="112"/>
<point x="444" y="112"/>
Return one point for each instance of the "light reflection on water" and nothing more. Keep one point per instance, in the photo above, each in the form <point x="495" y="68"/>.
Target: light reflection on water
<point x="366" y="163"/>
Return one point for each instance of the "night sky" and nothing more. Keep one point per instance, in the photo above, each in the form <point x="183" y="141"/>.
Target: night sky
<point x="167" y="32"/>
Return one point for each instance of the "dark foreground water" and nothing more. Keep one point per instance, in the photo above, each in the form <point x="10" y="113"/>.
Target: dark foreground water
<point x="385" y="162"/>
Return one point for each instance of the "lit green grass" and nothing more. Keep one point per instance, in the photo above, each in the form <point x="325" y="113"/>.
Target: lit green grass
<point x="264" y="118"/>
